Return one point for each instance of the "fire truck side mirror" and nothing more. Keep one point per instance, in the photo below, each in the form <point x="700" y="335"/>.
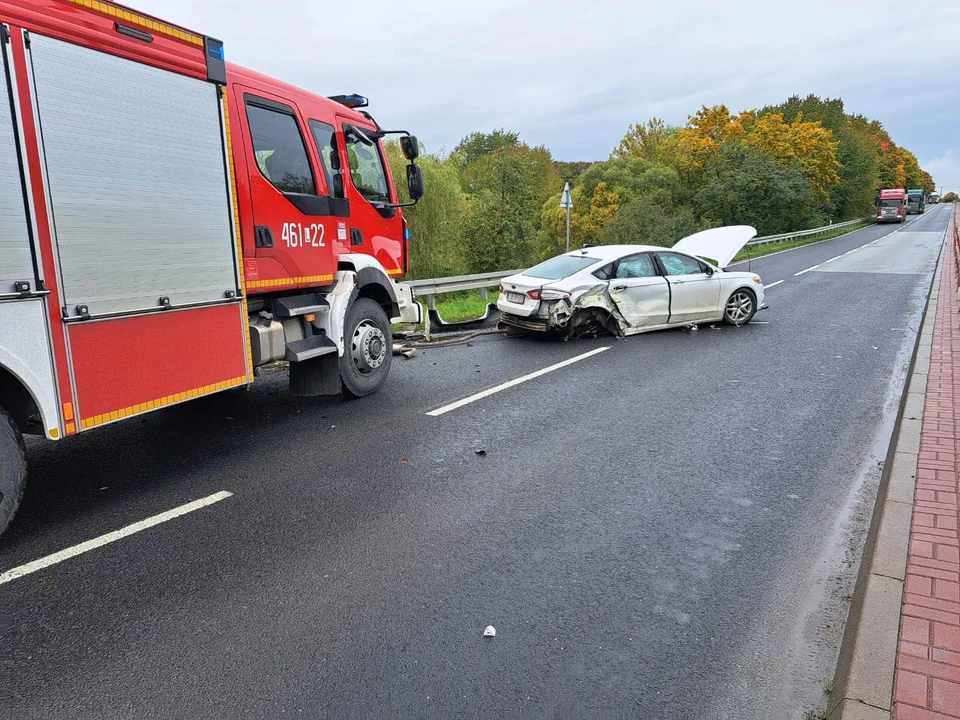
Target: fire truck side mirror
<point x="415" y="181"/>
<point x="410" y="147"/>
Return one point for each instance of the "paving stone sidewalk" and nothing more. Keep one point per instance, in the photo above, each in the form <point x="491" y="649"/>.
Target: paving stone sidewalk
<point x="927" y="681"/>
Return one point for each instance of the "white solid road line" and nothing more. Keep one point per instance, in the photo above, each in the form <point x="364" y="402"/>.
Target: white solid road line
<point x="511" y="383"/>
<point x="807" y="270"/>
<point x="110" y="537"/>
<point x="773" y="284"/>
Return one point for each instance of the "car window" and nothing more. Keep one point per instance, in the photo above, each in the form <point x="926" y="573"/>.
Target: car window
<point x="560" y="267"/>
<point x="677" y="264"/>
<point x="279" y="149"/>
<point x="366" y="169"/>
<point x="604" y="273"/>
<point x="887" y="202"/>
<point x="636" y="266"/>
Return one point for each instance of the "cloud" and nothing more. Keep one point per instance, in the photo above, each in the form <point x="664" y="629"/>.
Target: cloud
<point x="945" y="170"/>
<point x="572" y="75"/>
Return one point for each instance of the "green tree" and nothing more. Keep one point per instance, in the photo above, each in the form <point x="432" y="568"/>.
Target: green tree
<point x="645" y="221"/>
<point x="477" y="144"/>
<point x="751" y="188"/>
<point x="435" y="222"/>
<point x="507" y="187"/>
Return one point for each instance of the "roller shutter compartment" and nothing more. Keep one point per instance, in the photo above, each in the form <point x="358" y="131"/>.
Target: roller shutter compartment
<point x="137" y="180"/>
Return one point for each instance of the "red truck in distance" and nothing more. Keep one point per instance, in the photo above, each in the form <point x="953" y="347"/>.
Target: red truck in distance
<point x="892" y="205"/>
<point x="170" y="222"/>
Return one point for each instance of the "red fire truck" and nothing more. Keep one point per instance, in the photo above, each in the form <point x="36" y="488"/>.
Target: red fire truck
<point x="169" y="222"/>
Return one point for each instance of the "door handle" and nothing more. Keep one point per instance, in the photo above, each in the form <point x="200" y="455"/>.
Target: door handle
<point x="356" y="237"/>
<point x="620" y="287"/>
<point x="263" y="236"/>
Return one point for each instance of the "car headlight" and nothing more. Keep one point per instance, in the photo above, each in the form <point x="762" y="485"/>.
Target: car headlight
<point x="553" y="294"/>
<point x="756" y="279"/>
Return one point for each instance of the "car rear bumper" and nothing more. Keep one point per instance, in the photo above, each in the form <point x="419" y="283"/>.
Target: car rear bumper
<point x="527" y="323"/>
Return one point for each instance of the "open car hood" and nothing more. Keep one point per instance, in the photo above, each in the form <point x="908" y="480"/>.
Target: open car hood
<point x="720" y="244"/>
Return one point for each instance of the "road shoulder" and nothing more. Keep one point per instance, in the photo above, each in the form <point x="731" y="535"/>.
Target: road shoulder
<point x="883" y="642"/>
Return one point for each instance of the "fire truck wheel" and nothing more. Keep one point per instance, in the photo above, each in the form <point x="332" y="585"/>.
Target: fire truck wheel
<point x="366" y="359"/>
<point x="13" y="469"/>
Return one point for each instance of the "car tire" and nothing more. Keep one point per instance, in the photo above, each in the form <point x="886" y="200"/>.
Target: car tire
<point x="368" y="349"/>
<point x="13" y="469"/>
<point x="740" y="307"/>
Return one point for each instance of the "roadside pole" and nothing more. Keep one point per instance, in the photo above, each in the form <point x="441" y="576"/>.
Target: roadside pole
<point x="566" y="201"/>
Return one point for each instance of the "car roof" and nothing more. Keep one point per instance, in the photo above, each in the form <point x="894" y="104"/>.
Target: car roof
<point x="612" y="252"/>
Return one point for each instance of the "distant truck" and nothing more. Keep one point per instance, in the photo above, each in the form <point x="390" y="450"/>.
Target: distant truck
<point x="933" y="198"/>
<point x="916" y="200"/>
<point x="892" y="205"/>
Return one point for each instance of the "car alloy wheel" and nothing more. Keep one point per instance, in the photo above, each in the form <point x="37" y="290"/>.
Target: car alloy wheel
<point x="739" y="307"/>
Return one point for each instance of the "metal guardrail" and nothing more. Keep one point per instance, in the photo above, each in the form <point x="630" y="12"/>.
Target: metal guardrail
<point x="437" y="286"/>
<point x="784" y="237"/>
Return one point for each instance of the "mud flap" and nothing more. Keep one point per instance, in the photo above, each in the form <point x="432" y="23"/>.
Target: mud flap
<point x="317" y="376"/>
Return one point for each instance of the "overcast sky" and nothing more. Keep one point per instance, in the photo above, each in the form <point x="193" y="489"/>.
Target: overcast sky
<point x="573" y="75"/>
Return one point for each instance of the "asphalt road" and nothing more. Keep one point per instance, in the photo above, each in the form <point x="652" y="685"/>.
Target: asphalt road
<point x="663" y="529"/>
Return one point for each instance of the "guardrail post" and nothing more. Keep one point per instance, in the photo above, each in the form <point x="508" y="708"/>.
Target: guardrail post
<point x="483" y="294"/>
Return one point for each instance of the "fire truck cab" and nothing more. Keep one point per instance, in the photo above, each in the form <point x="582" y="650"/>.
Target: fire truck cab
<point x="170" y="222"/>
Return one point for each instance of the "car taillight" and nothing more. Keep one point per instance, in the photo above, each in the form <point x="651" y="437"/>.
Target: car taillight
<point x="534" y="294"/>
<point x="501" y="287"/>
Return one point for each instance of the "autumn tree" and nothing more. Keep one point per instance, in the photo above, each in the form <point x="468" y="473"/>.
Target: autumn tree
<point x="653" y="140"/>
<point x="854" y="194"/>
<point x="806" y="144"/>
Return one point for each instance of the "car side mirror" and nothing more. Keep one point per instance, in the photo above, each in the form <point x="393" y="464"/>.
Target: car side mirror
<point x="415" y="181"/>
<point x="709" y="270"/>
<point x="410" y="147"/>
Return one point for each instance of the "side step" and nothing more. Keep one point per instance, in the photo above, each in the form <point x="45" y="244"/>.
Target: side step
<point x="309" y="348"/>
<point x="296" y="305"/>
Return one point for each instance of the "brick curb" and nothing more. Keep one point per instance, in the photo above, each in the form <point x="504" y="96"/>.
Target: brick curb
<point x="863" y="681"/>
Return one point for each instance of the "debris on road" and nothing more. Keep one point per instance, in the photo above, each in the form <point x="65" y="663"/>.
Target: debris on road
<point x="480" y="452"/>
<point x="490" y="631"/>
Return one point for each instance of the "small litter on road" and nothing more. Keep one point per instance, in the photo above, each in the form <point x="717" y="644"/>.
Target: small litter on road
<point x="480" y="452"/>
<point x="692" y="327"/>
<point x="490" y="631"/>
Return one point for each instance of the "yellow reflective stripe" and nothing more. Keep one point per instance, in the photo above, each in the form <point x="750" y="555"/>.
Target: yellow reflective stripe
<point x="110" y="10"/>
<point x="248" y="348"/>
<point x="277" y="282"/>
<point x="90" y="422"/>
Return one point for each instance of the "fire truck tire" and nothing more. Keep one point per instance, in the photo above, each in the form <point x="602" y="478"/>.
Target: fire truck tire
<point x="13" y="469"/>
<point x="368" y="349"/>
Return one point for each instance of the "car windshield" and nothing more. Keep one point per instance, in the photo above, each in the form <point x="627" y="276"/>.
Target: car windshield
<point x="560" y="267"/>
<point x="891" y="202"/>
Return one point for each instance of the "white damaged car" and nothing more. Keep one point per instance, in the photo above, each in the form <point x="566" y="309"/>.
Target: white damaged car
<point x="630" y="289"/>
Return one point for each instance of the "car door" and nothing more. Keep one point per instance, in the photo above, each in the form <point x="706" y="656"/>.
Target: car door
<point x="640" y="292"/>
<point x="694" y="288"/>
